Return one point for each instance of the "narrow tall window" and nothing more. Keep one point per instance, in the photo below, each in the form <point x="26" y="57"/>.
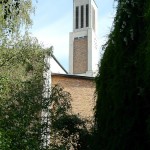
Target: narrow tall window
<point x="77" y="17"/>
<point x="87" y="15"/>
<point x="82" y="16"/>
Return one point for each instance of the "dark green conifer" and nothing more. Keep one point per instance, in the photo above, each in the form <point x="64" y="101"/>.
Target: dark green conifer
<point x="123" y="84"/>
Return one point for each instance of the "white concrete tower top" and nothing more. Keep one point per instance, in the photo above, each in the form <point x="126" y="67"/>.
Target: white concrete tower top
<point x="85" y="15"/>
<point x="83" y="40"/>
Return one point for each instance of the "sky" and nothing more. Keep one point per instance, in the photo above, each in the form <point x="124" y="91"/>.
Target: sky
<point x="53" y="20"/>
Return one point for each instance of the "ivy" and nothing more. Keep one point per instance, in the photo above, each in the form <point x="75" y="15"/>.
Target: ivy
<point x="122" y="111"/>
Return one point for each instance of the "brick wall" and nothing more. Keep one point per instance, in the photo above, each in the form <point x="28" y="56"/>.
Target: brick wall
<point x="82" y="92"/>
<point x="80" y="55"/>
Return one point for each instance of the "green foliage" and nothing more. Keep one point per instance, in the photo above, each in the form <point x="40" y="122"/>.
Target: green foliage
<point x="21" y="95"/>
<point x="14" y="18"/>
<point x="25" y="123"/>
<point x="67" y="130"/>
<point x="22" y="81"/>
<point x="122" y="111"/>
<point x="15" y="13"/>
<point x="4" y="141"/>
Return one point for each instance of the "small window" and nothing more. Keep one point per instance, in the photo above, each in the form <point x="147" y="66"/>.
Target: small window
<point x="77" y="17"/>
<point x="82" y="16"/>
<point x="87" y="15"/>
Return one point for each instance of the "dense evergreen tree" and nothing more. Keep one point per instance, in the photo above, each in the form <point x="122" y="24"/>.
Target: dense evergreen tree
<point x="123" y="84"/>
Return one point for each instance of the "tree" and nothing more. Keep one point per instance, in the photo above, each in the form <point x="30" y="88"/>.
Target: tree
<point x="14" y="16"/>
<point x="123" y="103"/>
<point x="21" y="80"/>
<point x="21" y="100"/>
<point x="68" y="131"/>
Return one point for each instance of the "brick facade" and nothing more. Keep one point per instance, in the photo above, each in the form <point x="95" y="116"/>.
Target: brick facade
<point x="82" y="91"/>
<point x="80" y="55"/>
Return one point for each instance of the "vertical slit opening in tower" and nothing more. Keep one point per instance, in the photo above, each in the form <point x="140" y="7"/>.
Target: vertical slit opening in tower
<point x="77" y="17"/>
<point x="82" y="16"/>
<point x="87" y="15"/>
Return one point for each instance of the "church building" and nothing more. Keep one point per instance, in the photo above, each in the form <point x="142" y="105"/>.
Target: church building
<point x="83" y="65"/>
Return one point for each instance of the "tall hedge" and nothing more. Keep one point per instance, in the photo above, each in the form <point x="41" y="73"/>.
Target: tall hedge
<point x="123" y="84"/>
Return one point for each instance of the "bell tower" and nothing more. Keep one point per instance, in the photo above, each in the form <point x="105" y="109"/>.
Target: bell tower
<point x="83" y="49"/>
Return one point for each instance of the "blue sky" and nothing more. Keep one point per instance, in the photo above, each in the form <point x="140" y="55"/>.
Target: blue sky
<point x="53" y="20"/>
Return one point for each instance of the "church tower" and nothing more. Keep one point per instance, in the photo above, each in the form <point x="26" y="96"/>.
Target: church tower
<point x="83" y="49"/>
